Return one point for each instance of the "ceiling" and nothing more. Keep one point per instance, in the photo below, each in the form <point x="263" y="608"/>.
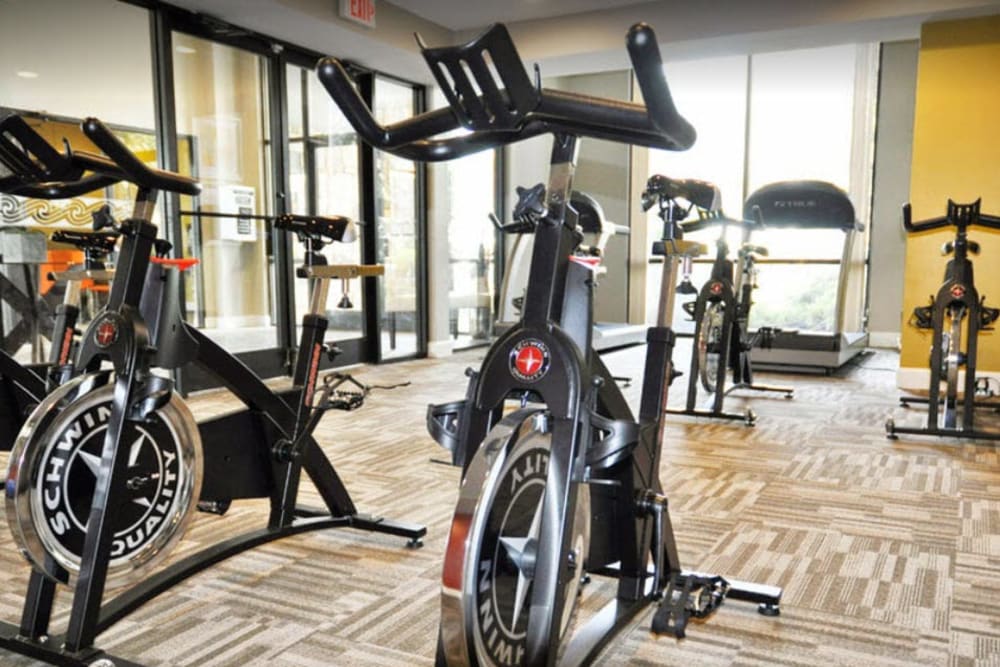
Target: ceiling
<point x="465" y="14"/>
<point x="575" y="36"/>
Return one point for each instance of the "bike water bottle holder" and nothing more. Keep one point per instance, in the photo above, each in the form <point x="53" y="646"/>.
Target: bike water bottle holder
<point x="442" y="423"/>
<point x="987" y="315"/>
<point x="614" y="439"/>
<point x="923" y="316"/>
<point x="485" y="81"/>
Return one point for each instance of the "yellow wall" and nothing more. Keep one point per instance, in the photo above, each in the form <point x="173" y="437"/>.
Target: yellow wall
<point x="956" y="154"/>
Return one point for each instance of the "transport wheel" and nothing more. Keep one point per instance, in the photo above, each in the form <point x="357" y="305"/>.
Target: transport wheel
<point x="490" y="557"/>
<point x="709" y="345"/>
<point x="53" y="472"/>
<point x="951" y="346"/>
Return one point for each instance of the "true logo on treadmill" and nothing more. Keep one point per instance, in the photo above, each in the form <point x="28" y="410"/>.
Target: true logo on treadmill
<point x="72" y="464"/>
<point x="107" y="333"/>
<point x="529" y="360"/>
<point x="958" y="291"/>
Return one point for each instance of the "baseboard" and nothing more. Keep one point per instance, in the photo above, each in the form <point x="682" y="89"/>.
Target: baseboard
<point x="438" y="349"/>
<point x="884" y="339"/>
<point x="918" y="379"/>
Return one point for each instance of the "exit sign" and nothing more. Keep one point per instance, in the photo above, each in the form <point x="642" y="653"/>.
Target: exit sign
<point x="359" y="11"/>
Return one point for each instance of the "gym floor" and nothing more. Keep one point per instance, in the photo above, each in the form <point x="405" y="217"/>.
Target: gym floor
<point x="889" y="552"/>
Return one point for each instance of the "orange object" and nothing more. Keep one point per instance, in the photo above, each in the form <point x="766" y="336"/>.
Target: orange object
<point x="182" y="263"/>
<point x="58" y="260"/>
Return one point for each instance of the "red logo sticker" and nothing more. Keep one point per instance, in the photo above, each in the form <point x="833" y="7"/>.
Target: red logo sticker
<point x="958" y="291"/>
<point x="107" y="333"/>
<point x="715" y="288"/>
<point x="529" y="360"/>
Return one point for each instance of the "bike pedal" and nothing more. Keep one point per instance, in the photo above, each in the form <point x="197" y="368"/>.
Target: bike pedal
<point x="688" y="596"/>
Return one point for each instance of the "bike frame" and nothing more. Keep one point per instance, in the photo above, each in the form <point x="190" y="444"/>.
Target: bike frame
<point x="734" y="290"/>
<point x="957" y="297"/>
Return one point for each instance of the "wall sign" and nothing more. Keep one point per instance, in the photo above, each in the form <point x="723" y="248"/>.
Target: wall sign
<point x="359" y="11"/>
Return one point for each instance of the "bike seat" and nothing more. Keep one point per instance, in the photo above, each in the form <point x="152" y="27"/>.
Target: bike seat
<point x="750" y="249"/>
<point x="101" y="242"/>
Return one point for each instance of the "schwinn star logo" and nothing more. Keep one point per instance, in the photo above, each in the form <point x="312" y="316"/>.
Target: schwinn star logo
<point x="529" y="360"/>
<point x="107" y="333"/>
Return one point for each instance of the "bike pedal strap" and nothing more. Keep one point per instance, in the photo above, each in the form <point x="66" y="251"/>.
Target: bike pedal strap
<point x="688" y="596"/>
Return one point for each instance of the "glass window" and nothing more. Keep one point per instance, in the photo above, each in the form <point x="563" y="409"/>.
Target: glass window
<point x="794" y="119"/>
<point x="464" y="195"/>
<point x="45" y="78"/>
<point x="712" y="94"/>
<point x="801" y="127"/>
<point x="396" y="228"/>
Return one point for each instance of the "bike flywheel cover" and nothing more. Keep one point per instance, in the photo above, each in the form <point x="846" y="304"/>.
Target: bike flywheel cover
<point x="53" y="472"/>
<point x="497" y="533"/>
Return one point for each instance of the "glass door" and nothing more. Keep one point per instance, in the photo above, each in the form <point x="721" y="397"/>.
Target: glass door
<point x="222" y="109"/>
<point x="397" y="228"/>
<point x="323" y="180"/>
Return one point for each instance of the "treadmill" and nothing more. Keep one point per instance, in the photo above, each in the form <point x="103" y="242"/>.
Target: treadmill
<point x="809" y="205"/>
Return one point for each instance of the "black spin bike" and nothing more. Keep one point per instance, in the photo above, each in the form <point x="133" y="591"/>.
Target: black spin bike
<point x="106" y="471"/>
<point x="23" y="386"/>
<point x="567" y="485"/>
<point x="721" y="311"/>
<point x="955" y="315"/>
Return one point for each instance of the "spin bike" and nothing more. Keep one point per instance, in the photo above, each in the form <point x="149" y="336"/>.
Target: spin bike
<point x="721" y="311"/>
<point x="22" y="387"/>
<point x="107" y="469"/>
<point x="567" y="485"/>
<point x="955" y="315"/>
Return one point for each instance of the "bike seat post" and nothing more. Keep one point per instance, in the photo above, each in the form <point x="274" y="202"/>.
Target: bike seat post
<point x="319" y="288"/>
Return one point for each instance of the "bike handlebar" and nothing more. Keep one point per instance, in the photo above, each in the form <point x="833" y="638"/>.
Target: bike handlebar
<point x="519" y="111"/>
<point x="959" y="215"/>
<point x="130" y="167"/>
<point x="40" y="171"/>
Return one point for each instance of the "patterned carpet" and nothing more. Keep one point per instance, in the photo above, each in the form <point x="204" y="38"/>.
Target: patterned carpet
<point x="888" y="552"/>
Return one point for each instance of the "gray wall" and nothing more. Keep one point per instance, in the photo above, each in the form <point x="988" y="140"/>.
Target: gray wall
<point x="891" y="189"/>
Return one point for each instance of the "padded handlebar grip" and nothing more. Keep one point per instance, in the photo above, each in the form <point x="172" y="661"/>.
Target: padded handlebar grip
<point x="339" y="85"/>
<point x="923" y="225"/>
<point x="648" y="66"/>
<point x="57" y="189"/>
<point x="133" y="169"/>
